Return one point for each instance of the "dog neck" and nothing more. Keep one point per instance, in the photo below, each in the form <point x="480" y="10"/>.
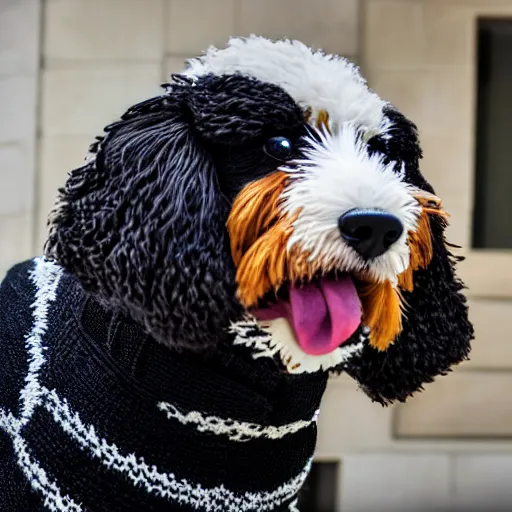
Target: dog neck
<point x="148" y="364"/>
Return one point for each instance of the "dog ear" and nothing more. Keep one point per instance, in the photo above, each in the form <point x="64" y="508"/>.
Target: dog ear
<point x="436" y="331"/>
<point x="142" y="225"/>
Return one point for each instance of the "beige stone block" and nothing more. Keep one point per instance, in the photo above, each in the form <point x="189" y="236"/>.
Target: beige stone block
<point x="482" y="483"/>
<point x="395" y="483"/>
<point x="19" y="37"/>
<point x="448" y="164"/>
<point x="41" y="230"/>
<point x="447" y="101"/>
<point x="15" y="237"/>
<point x="82" y="101"/>
<point x="331" y="25"/>
<point x="438" y="100"/>
<point x="349" y="421"/>
<point x="403" y="88"/>
<point x="194" y="25"/>
<point x="450" y="34"/>
<point x="59" y="155"/>
<point x="492" y="348"/>
<point x="17" y="108"/>
<point x="459" y="230"/>
<point x="488" y="274"/>
<point x="172" y="65"/>
<point x="104" y="30"/>
<point x="16" y="179"/>
<point x="484" y="8"/>
<point x="464" y="404"/>
<point x="394" y="35"/>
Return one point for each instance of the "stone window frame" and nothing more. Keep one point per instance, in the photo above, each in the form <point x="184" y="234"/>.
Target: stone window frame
<point x="487" y="272"/>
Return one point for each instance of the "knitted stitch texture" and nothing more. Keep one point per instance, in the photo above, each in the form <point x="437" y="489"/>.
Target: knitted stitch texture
<point x="96" y="415"/>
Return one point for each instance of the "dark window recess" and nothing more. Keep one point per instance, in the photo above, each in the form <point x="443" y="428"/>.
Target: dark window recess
<point x="492" y="215"/>
<point x="320" y="492"/>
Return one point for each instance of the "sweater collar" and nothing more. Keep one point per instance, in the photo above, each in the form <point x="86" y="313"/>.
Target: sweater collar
<point x="154" y="367"/>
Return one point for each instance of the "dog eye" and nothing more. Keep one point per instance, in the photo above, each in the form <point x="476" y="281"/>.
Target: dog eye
<point x="279" y="147"/>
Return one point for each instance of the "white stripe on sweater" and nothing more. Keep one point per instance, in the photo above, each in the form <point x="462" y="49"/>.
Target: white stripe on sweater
<point x="46" y="278"/>
<point x="35" y="474"/>
<point x="294" y="506"/>
<point x="167" y="485"/>
<point x="239" y="431"/>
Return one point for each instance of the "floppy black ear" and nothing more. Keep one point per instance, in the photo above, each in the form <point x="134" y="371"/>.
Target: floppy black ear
<point x="142" y="225"/>
<point x="436" y="331"/>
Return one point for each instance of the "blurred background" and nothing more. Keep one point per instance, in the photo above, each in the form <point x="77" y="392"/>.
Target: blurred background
<point x="69" y="67"/>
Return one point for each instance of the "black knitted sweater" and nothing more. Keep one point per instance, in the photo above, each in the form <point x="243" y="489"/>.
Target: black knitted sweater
<point x="97" y="416"/>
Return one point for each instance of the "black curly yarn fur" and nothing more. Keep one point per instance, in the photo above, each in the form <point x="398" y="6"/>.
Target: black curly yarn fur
<point x="143" y="225"/>
<point x="236" y="109"/>
<point x="235" y="116"/>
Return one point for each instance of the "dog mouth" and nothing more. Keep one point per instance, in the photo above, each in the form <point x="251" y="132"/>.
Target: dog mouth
<point x="324" y="313"/>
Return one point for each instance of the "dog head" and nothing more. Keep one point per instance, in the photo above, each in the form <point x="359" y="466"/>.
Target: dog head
<point x="270" y="199"/>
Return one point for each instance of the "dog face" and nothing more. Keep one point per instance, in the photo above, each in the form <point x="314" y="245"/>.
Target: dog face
<point x="270" y="200"/>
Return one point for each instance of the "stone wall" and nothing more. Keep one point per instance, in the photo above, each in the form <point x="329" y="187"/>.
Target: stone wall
<point x="69" y="67"/>
<point x="19" y="91"/>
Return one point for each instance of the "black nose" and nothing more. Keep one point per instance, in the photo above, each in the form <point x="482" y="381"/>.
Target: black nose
<point x="370" y="232"/>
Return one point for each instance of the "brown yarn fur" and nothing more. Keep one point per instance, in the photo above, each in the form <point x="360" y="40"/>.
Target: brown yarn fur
<point x="259" y="236"/>
<point x="382" y="312"/>
<point x="420" y="240"/>
<point x="382" y="304"/>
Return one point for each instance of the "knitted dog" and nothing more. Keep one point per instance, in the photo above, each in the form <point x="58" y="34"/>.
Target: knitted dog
<point x="226" y="246"/>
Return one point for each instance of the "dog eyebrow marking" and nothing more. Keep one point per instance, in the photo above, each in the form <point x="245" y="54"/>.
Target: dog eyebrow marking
<point x="239" y="431"/>
<point x="323" y="121"/>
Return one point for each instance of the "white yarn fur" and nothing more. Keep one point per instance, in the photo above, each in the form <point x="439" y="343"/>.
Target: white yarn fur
<point x="338" y="175"/>
<point x="277" y="338"/>
<point x="312" y="78"/>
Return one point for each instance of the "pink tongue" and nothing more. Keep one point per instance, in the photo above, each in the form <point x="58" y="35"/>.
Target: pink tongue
<point x="323" y="314"/>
